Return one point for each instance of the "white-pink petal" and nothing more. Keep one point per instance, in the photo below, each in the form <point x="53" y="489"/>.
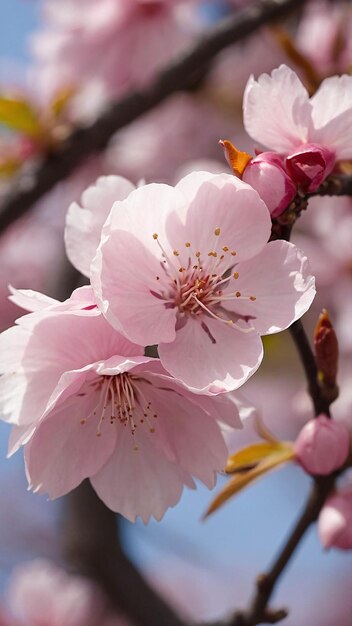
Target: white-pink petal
<point x="84" y="224"/>
<point x="277" y="111"/>
<point x="279" y="279"/>
<point x="332" y="115"/>
<point x="212" y="356"/>
<point x="140" y="482"/>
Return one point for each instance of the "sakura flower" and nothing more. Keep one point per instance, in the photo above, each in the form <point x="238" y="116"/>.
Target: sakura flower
<point x="41" y="593"/>
<point x="324" y="35"/>
<point x="111" y="43"/>
<point x="189" y="268"/>
<point x="313" y="133"/>
<point x="87" y="404"/>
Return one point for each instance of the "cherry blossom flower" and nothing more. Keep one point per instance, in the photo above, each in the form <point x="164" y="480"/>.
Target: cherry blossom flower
<point x="313" y="133"/>
<point x="85" y="402"/>
<point x="189" y="268"/>
<point x="41" y="593"/>
<point x="111" y="43"/>
<point x="324" y="35"/>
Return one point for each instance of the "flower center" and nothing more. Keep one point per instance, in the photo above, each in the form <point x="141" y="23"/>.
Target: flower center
<point x="200" y="287"/>
<point x="119" y="399"/>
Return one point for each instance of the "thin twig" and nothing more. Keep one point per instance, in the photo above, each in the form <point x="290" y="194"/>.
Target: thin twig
<point x="181" y="75"/>
<point x="258" y="612"/>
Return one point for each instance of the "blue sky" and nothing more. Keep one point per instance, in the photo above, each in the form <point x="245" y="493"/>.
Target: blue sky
<point x="18" y="18"/>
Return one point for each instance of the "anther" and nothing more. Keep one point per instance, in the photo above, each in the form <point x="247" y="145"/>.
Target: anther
<point x="253" y="298"/>
<point x="176" y="253"/>
<point x="217" y="231"/>
<point x="187" y="244"/>
<point x="155" y="236"/>
<point x="238" y="294"/>
<point x="236" y="275"/>
<point x="233" y="252"/>
<point x="225" y="248"/>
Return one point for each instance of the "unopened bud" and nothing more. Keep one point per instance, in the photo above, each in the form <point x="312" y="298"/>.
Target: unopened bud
<point x="322" y="446"/>
<point x="267" y="176"/>
<point x="310" y="165"/>
<point x="335" y="522"/>
<point x="326" y="354"/>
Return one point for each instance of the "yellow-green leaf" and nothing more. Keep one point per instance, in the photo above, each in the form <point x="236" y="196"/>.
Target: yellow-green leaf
<point x="254" y="454"/>
<point x="9" y="167"/>
<point x="240" y="481"/>
<point x="18" y="114"/>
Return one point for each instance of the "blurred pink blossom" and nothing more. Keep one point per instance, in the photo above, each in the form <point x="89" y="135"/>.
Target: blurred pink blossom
<point x="335" y="521"/>
<point x="325" y="35"/>
<point x="41" y="593"/>
<point x="112" y="43"/>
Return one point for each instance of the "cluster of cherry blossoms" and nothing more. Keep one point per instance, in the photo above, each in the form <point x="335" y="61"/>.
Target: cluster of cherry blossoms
<point x="184" y="272"/>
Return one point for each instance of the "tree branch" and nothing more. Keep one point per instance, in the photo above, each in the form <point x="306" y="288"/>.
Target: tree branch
<point x="258" y="612"/>
<point x="181" y="75"/>
<point x="92" y="546"/>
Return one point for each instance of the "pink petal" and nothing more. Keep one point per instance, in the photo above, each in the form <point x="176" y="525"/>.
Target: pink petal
<point x="139" y="482"/>
<point x="84" y="225"/>
<point x="127" y="296"/>
<point x="280" y="280"/>
<point x="212" y="355"/>
<point x="30" y="300"/>
<point x="332" y="110"/>
<point x="276" y="110"/>
<point x="193" y="436"/>
<point x="63" y="451"/>
<point x="224" y="203"/>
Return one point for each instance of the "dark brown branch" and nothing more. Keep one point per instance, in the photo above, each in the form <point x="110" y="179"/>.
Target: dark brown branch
<point x="92" y="546"/>
<point x="181" y="75"/>
<point x="334" y="186"/>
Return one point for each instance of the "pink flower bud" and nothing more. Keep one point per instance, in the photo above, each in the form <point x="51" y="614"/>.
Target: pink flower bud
<point x="335" y="522"/>
<point x="267" y="176"/>
<point x="322" y="445"/>
<point x="310" y="165"/>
